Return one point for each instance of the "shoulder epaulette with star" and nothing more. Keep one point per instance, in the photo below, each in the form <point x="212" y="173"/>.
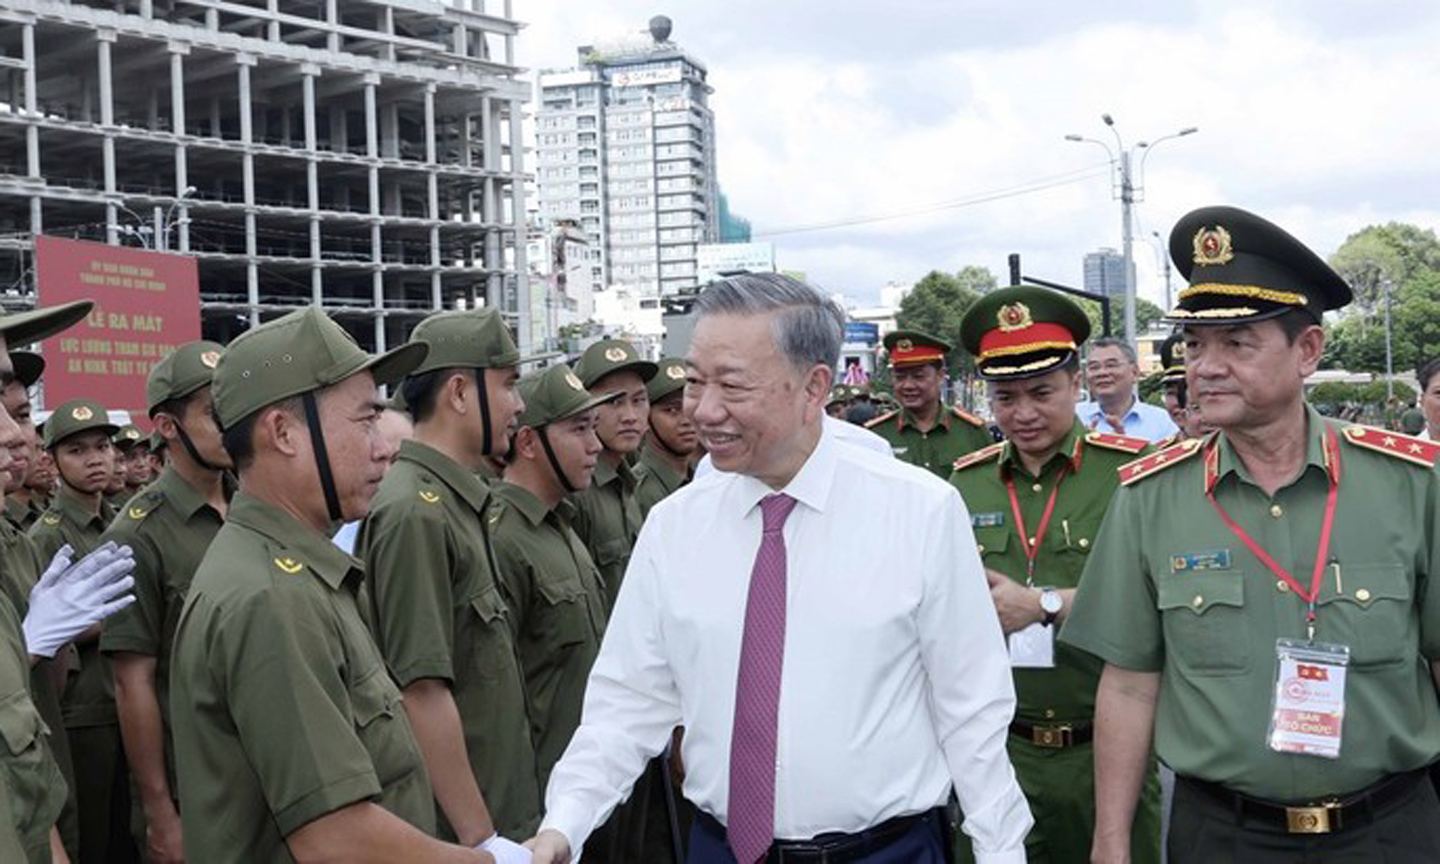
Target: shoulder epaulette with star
<point x="1123" y="443"/>
<point x="984" y="454"/>
<point x="876" y="421"/>
<point x="1414" y="450"/>
<point x="1143" y="467"/>
<point x="967" y="417"/>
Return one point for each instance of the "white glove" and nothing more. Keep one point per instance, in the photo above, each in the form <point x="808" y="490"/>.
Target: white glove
<point x="505" y="851"/>
<point x="69" y="599"/>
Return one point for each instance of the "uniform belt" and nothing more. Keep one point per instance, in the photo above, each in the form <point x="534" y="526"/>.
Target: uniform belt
<point x="836" y="848"/>
<point x="1056" y="736"/>
<point x="1320" y="817"/>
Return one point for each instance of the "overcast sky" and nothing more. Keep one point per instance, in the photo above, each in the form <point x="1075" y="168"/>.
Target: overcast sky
<point x="1318" y="114"/>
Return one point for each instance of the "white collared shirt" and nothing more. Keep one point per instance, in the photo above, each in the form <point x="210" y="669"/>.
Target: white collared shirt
<point x="896" y="681"/>
<point x="1143" y="420"/>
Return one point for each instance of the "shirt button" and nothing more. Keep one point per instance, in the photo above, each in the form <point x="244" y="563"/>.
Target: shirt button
<point x="1049" y="713"/>
<point x="980" y="547"/>
<point x="1198" y="601"/>
<point x="1037" y="487"/>
<point x="1363" y="595"/>
<point x="1276" y="511"/>
<point x="1281" y="586"/>
<point x="1084" y="543"/>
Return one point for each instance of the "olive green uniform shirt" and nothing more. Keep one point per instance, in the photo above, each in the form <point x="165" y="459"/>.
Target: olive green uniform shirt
<point x="20" y="513"/>
<point x="654" y="479"/>
<point x="955" y="434"/>
<point x="32" y="790"/>
<point x="89" y="698"/>
<point x="558" y="611"/>
<point x="289" y="711"/>
<point x="437" y="612"/>
<point x="1065" y="693"/>
<point x="1170" y="589"/>
<point x="607" y="520"/>
<point x="168" y="526"/>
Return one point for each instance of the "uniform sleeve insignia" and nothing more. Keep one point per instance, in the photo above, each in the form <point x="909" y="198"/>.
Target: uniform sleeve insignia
<point x="984" y="454"/>
<point x="967" y="417"/>
<point x="1415" y="450"/>
<point x="1123" y="443"/>
<point x="1143" y="467"/>
<point x="876" y="421"/>
<point x="289" y="565"/>
<point x="137" y="512"/>
<point x="429" y="497"/>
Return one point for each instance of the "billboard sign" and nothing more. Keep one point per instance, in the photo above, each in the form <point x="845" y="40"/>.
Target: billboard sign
<point x="146" y="304"/>
<point x="862" y="333"/>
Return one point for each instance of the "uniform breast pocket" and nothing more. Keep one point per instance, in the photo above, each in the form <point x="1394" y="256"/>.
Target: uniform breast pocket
<point x="1204" y="621"/>
<point x="30" y="775"/>
<point x="1370" y="609"/>
<point x="562" y="620"/>
<point x="492" y="645"/>
<point x="612" y="553"/>
<point x="992" y="541"/>
<point x="383" y="729"/>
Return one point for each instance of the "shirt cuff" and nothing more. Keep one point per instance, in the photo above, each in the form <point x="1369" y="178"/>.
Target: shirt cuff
<point x="568" y="822"/>
<point x="1008" y="856"/>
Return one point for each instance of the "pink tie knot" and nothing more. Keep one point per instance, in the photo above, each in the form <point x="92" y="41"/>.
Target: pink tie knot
<point x="775" y="509"/>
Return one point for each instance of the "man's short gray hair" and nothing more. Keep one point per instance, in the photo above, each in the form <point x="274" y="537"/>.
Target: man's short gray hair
<point x="1111" y="342"/>
<point x="809" y="327"/>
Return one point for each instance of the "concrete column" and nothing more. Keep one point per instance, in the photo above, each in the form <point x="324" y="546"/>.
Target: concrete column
<point x="432" y="197"/>
<point x="332" y="18"/>
<point x="372" y="152"/>
<point x="177" y="118"/>
<point x="390" y="130"/>
<point x="32" y="132"/>
<point x="518" y="231"/>
<point x="312" y="179"/>
<point x="252" y="267"/>
<point x="104" y="39"/>
<point x="272" y="29"/>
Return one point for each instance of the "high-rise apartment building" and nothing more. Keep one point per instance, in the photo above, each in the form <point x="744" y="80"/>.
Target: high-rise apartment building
<point x="359" y="155"/>
<point x="1105" y="273"/>
<point x="625" y="145"/>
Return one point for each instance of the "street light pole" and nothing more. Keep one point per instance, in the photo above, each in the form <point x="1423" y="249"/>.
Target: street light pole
<point x="1389" y="357"/>
<point x="1165" y="258"/>
<point x="1130" y="192"/>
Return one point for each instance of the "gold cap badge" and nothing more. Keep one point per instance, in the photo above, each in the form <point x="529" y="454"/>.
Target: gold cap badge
<point x="573" y="381"/>
<point x="81" y="412"/>
<point x="904" y="345"/>
<point x="1014" y="316"/>
<point x="132" y="434"/>
<point x="1178" y="352"/>
<point x="675" y="373"/>
<point x="209" y="359"/>
<point x="615" y="355"/>
<point x="1212" y="246"/>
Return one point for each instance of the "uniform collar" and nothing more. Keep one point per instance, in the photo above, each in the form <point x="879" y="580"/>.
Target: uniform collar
<point x="70" y="505"/>
<point x="178" y="491"/>
<point x="942" y="418"/>
<point x="669" y="477"/>
<point x="1070" y="453"/>
<point x="605" y="473"/>
<point x="810" y="486"/>
<point x="463" y="482"/>
<point x="522" y="499"/>
<point x="1221" y="460"/>
<point x="298" y="544"/>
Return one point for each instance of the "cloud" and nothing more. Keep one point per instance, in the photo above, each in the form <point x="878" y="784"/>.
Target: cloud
<point x="1315" y="114"/>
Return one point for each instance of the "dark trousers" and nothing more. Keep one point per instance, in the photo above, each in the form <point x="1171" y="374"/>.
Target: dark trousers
<point x="922" y="844"/>
<point x="102" y="795"/>
<point x="1205" y="831"/>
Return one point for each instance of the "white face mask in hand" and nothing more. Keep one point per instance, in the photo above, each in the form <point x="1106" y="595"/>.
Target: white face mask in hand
<point x="505" y="851"/>
<point x="70" y="598"/>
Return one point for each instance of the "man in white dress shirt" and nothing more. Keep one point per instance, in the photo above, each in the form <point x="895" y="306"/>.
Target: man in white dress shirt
<point x="821" y="606"/>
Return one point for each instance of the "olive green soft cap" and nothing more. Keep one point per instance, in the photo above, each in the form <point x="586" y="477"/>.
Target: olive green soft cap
<point x="182" y="372"/>
<point x="669" y="379"/>
<point x="469" y="339"/>
<point x="29" y="366"/>
<point x="294" y="354"/>
<point x="612" y="355"/>
<point x="74" y="417"/>
<point x="27" y="327"/>
<point x="128" y="437"/>
<point x="555" y="394"/>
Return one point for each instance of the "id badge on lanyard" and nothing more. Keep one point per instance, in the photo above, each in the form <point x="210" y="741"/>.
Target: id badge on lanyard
<point x="1308" y="710"/>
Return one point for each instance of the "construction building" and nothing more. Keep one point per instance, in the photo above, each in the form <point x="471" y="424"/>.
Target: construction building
<point x="363" y="155"/>
<point x="625" y="145"/>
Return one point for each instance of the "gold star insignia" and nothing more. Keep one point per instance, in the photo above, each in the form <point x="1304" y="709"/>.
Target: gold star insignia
<point x="289" y="565"/>
<point x="1389" y="441"/>
<point x="1416" y="448"/>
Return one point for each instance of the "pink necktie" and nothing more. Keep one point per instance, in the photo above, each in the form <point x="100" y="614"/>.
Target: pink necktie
<point x="757" y="693"/>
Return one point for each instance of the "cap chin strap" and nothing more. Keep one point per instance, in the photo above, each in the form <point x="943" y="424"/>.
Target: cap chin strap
<point x="486" y="445"/>
<point x="194" y="453"/>
<point x="322" y="457"/>
<point x="554" y="463"/>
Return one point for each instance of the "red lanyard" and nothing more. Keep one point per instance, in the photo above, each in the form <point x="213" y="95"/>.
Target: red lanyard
<point x="1032" y="544"/>
<point x="1321" y="553"/>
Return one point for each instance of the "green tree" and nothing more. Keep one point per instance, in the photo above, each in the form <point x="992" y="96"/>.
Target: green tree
<point x="1394" y="252"/>
<point x="1147" y="314"/>
<point x="937" y="303"/>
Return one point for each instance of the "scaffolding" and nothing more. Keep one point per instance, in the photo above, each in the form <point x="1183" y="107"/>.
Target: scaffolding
<point x="361" y="155"/>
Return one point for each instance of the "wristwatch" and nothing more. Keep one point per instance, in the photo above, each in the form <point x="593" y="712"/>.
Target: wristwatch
<point x="1050" y="603"/>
